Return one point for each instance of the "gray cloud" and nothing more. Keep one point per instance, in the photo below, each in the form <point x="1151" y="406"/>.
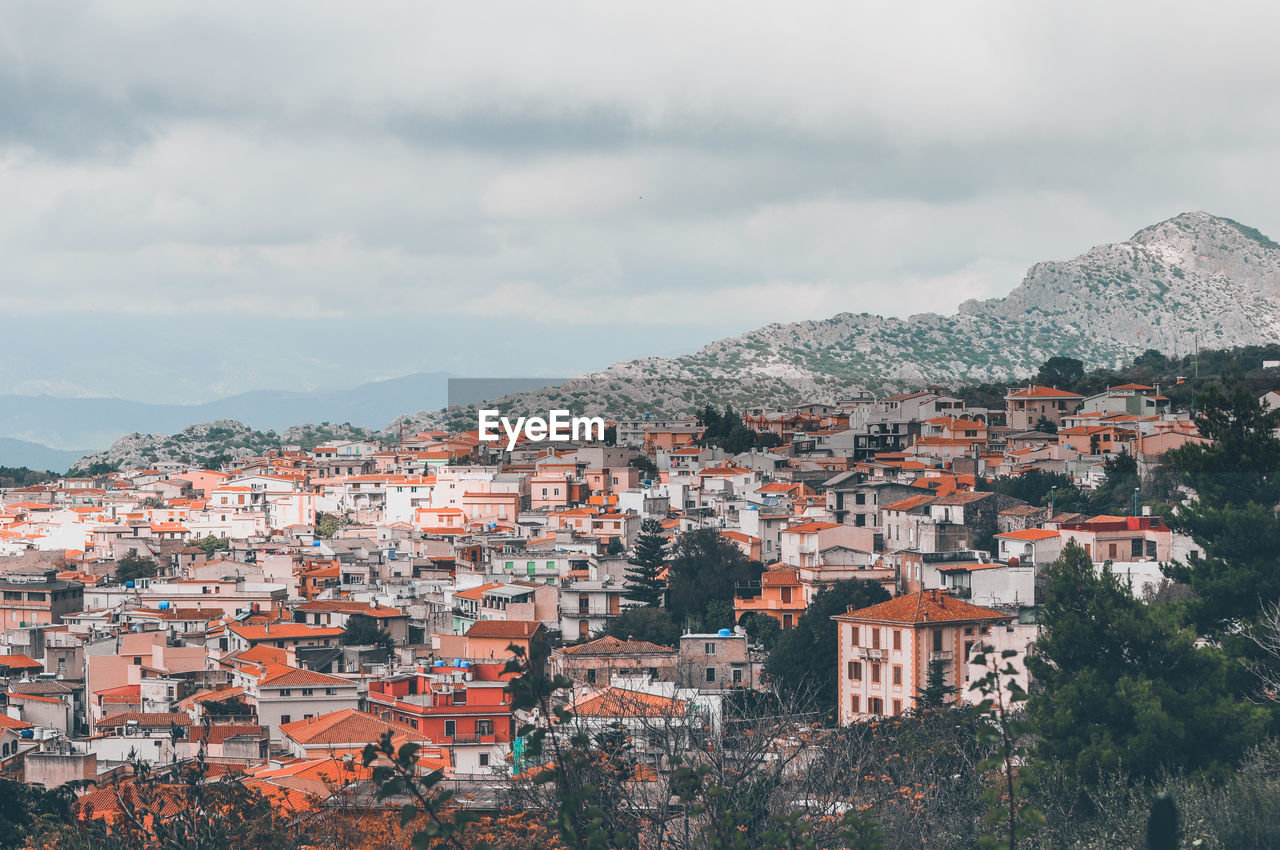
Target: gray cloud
<point x="246" y="194"/>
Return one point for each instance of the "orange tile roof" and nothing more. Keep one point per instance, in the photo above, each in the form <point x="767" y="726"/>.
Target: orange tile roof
<point x="348" y="726"/>
<point x="1041" y="392"/>
<point x="929" y="606"/>
<point x="909" y="504"/>
<point x="476" y="592"/>
<point x="610" y="645"/>
<point x="810" y="527"/>
<point x="513" y="629"/>
<point x="284" y="631"/>
<point x="1031" y="534"/>
<point x="619" y="702"/>
<point x="18" y="661"/>
<point x="279" y="676"/>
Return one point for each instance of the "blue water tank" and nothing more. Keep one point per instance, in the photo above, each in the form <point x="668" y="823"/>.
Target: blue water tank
<point x="725" y="633"/>
<point x="437" y="664"/>
<point x="464" y="665"/>
<point x="391" y="554"/>
<point x="129" y="583"/>
<point x="315" y="543"/>
<point x="27" y="733"/>
<point x="457" y="661"/>
<point x="163" y="606"/>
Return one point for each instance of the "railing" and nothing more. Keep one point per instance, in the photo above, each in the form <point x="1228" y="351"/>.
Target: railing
<point x="870" y="654"/>
<point x="942" y="655"/>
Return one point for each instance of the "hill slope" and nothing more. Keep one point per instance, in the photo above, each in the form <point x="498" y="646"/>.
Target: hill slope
<point x="1195" y="274"/>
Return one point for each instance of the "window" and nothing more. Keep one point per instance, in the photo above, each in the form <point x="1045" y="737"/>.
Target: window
<point x="897" y="707"/>
<point x="875" y="674"/>
<point x="855" y="670"/>
<point x="459" y="697"/>
<point x="897" y="674"/>
<point x="137" y="659"/>
<point x="855" y="631"/>
<point x="591" y="676"/>
<point x="286" y="692"/>
<point x="484" y="727"/>
<point x="875" y="705"/>
<point x="329" y="692"/>
<point x="737" y="676"/>
<point x="450" y="728"/>
<point x="786" y="595"/>
<point x="284" y="718"/>
<point x="711" y="674"/>
<point x="788" y="620"/>
<point x="709" y="648"/>
<point x="307" y="716"/>
<point x="897" y="638"/>
<point x="875" y="638"/>
<point x="484" y="759"/>
<point x="857" y="704"/>
<point x="306" y="692"/>
<point x="937" y="640"/>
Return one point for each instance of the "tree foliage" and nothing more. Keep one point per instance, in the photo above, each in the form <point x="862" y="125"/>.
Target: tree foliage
<point x="1122" y="686"/>
<point x="133" y="567"/>
<point x="644" y="581"/>
<point x="704" y="567"/>
<point x="645" y="623"/>
<point x="363" y="630"/>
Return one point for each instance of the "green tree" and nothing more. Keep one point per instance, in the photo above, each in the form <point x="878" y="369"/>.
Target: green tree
<point x="644" y="623"/>
<point x="326" y="525"/>
<point x="212" y="544"/>
<point x="132" y="567"/>
<point x="1061" y="372"/>
<point x="644" y="582"/>
<point x="1115" y="494"/>
<point x="704" y="567"/>
<point x="1121" y="686"/>
<point x="762" y="629"/>
<point x="803" y="662"/>
<point x="28" y="811"/>
<point x="1233" y="518"/>
<point x="936" y="693"/>
<point x="1039" y="488"/>
<point x="363" y="630"/>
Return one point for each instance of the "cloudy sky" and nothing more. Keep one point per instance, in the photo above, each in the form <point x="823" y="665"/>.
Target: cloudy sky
<point x="206" y="198"/>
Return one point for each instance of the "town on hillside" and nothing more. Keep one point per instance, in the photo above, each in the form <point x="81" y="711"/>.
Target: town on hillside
<point x="273" y="618"/>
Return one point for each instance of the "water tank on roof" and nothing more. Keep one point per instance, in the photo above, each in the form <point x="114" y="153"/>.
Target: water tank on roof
<point x="164" y="605"/>
<point x="464" y="665"/>
<point x="492" y="526"/>
<point x="457" y="662"/>
<point x="315" y="543"/>
<point x="725" y="633"/>
<point x="437" y="664"/>
<point x="128" y="583"/>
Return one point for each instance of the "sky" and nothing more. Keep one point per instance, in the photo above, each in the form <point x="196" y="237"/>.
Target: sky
<point x="201" y="199"/>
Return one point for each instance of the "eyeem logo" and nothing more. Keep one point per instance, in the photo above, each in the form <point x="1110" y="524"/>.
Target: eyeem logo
<point x="559" y="426"/>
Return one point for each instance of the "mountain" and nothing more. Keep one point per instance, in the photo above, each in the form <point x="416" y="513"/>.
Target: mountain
<point x="14" y="453"/>
<point x="45" y="422"/>
<point x="1195" y="275"/>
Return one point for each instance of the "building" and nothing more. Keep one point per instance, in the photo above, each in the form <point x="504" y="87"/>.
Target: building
<point x="1026" y="406"/>
<point x="885" y="650"/>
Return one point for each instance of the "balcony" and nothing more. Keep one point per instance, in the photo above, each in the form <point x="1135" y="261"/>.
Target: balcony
<point x="868" y="654"/>
<point x="943" y="655"/>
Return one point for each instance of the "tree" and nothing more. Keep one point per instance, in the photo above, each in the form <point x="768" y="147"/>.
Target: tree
<point x="804" y="658"/>
<point x="763" y="630"/>
<point x="132" y="567"/>
<point x="212" y="544"/>
<point x="363" y="630"/>
<point x="1115" y="494"/>
<point x="27" y="811"/>
<point x="326" y="525"/>
<point x="936" y="693"/>
<point x="704" y="567"/>
<point x="1036" y="487"/>
<point x="642" y="462"/>
<point x="645" y="623"/>
<point x="1122" y="686"/>
<point x="644" y="582"/>
<point x="1061" y="372"/>
<point x="1236" y="481"/>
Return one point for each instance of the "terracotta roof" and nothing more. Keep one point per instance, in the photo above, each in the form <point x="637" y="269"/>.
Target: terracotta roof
<point x="610" y="645"/>
<point x="17" y="661"/>
<point x="346" y="606"/>
<point x="282" y="677"/>
<point x="1031" y="534"/>
<point x="348" y="726"/>
<point x="515" y="629"/>
<point x="811" y="527"/>
<point x="778" y="578"/>
<point x="476" y="592"/>
<point x="284" y="631"/>
<point x="7" y="722"/>
<point x="929" y="606"/>
<point x="909" y="504"/>
<point x="618" y="702"/>
<point x="153" y="719"/>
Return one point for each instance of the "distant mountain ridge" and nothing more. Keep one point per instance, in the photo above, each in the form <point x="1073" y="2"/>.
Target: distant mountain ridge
<point x="44" y="428"/>
<point x="1193" y="275"/>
